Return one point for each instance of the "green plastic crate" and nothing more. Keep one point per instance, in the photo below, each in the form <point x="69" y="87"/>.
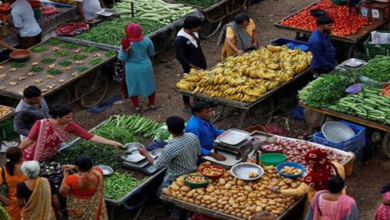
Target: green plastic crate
<point x="7" y="130"/>
<point x="371" y="50"/>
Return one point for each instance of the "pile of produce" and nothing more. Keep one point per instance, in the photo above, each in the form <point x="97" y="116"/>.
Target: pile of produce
<point x="53" y="171"/>
<point x="111" y="32"/>
<point x="377" y="69"/>
<point x="118" y="185"/>
<point x="328" y="90"/>
<point x="153" y="10"/>
<point x="368" y="104"/>
<point x="237" y="197"/>
<point x="202" y="3"/>
<point x="5" y="9"/>
<point x="247" y="77"/>
<point x="99" y="154"/>
<point x="345" y="24"/>
<point x="4" y="111"/>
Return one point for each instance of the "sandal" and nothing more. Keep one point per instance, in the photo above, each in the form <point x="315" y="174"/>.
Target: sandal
<point x="153" y="107"/>
<point x="137" y="110"/>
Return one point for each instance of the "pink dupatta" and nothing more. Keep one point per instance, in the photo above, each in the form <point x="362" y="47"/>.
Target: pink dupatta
<point x="48" y="141"/>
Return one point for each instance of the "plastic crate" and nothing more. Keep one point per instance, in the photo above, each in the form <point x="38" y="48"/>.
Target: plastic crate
<point x="7" y="130"/>
<point x="284" y="41"/>
<point x="356" y="142"/>
<point x="371" y="50"/>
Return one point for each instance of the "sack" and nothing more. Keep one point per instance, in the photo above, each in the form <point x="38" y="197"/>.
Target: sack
<point x="119" y="71"/>
<point x="4" y="187"/>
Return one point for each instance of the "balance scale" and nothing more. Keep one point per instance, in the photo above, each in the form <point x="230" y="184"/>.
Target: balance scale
<point x="141" y="165"/>
<point x="233" y="141"/>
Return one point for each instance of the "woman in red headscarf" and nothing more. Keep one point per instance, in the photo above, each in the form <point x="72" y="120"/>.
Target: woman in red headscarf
<point x="319" y="171"/>
<point x="136" y="51"/>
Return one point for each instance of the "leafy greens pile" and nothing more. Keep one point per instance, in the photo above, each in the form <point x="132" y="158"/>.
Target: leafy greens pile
<point x="377" y="69"/>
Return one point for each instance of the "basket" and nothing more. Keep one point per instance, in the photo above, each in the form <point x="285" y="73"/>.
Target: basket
<point x="290" y="164"/>
<point x="371" y="50"/>
<point x="7" y="130"/>
<point x="197" y="185"/>
<point x="356" y="142"/>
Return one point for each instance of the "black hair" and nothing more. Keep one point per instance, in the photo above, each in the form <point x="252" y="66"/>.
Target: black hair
<point x="59" y="111"/>
<point x="199" y="106"/>
<point x="13" y="155"/>
<point x="241" y="18"/>
<point x="336" y="184"/>
<point x="191" y="22"/>
<point x="32" y="92"/>
<point x="83" y="163"/>
<point x="323" y="19"/>
<point x="175" y="124"/>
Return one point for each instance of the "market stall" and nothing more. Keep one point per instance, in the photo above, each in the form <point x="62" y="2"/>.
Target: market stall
<point x="243" y="82"/>
<point x="357" y="95"/>
<point x="6" y="112"/>
<point x="350" y="27"/>
<point x="55" y="64"/>
<point x="232" y="195"/>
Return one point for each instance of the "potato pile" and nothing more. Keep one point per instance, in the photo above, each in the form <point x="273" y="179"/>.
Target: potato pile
<point x="196" y="179"/>
<point x="212" y="171"/>
<point x="237" y="197"/>
<point x="291" y="170"/>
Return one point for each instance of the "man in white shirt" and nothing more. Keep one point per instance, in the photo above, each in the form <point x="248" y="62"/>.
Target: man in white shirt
<point x="87" y="8"/>
<point x="22" y="17"/>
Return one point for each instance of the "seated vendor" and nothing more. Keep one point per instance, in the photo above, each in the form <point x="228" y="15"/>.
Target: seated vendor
<point x="201" y="125"/>
<point x="179" y="156"/>
<point x="87" y="8"/>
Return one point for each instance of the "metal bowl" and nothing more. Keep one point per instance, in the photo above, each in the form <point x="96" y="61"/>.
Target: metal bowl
<point x="337" y="132"/>
<point x="106" y="169"/>
<point x="157" y="152"/>
<point x="242" y="170"/>
<point x="133" y="147"/>
<point x="20" y="55"/>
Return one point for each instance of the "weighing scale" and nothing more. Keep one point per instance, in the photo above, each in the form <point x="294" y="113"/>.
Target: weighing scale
<point x="235" y="142"/>
<point x="142" y="166"/>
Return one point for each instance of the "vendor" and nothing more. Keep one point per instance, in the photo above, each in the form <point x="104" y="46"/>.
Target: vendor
<point x="319" y="171"/>
<point x="179" y="156"/>
<point x="32" y="107"/>
<point x="22" y="18"/>
<point x="46" y="136"/>
<point x="201" y="125"/>
<point x="324" y="54"/>
<point x="238" y="37"/>
<point x="87" y="8"/>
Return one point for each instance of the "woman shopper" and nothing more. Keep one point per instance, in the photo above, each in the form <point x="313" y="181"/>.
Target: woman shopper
<point x="136" y="51"/>
<point x="11" y="175"/>
<point x="84" y="191"/>
<point x="383" y="212"/>
<point x="37" y="196"/>
<point x="331" y="204"/>
<point x="238" y="36"/>
<point x="46" y="136"/>
<point x="319" y="171"/>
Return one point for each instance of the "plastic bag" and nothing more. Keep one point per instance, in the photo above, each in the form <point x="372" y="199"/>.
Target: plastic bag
<point x="380" y="38"/>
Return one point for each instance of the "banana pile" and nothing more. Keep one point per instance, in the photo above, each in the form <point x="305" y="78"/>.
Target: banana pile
<point x="247" y="77"/>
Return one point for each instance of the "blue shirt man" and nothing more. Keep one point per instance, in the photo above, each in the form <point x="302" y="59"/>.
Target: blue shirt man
<point x="201" y="125"/>
<point x="324" y="54"/>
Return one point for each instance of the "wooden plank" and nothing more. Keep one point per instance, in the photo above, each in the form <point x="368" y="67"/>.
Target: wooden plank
<point x="362" y="33"/>
<point x="355" y="119"/>
<point x="16" y="91"/>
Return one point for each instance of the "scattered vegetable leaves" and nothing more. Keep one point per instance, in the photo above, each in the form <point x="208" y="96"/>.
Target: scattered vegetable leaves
<point x="65" y="63"/>
<point x="82" y="69"/>
<point x="110" y="53"/>
<point x="54" y="41"/>
<point x="54" y="71"/>
<point x="48" y="60"/>
<point x="96" y="61"/>
<point x="79" y="56"/>
<point x="61" y="53"/>
<point x="71" y="46"/>
<point x="38" y="49"/>
<point x="91" y="49"/>
<point x="18" y="65"/>
<point x="36" y="69"/>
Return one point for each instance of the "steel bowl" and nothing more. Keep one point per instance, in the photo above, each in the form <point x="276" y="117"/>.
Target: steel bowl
<point x="133" y="147"/>
<point x="157" y="152"/>
<point x="337" y="132"/>
<point x="107" y="170"/>
<point x="242" y="170"/>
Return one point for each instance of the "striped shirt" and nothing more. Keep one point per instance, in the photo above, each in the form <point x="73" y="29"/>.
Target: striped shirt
<point x="179" y="156"/>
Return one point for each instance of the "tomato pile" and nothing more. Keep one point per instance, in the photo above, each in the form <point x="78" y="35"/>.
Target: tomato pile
<point x="4" y="18"/>
<point x="346" y="23"/>
<point x="5" y="7"/>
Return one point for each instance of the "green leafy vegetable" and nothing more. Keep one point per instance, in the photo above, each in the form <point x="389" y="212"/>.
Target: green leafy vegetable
<point x="377" y="69"/>
<point x="96" y="61"/>
<point x="54" y="41"/>
<point x="36" y="69"/>
<point x="203" y="3"/>
<point x="82" y="69"/>
<point x="48" y="60"/>
<point x="18" y="65"/>
<point x="91" y="49"/>
<point x="38" y="49"/>
<point x="118" y="185"/>
<point x="54" y="71"/>
<point x="71" y="46"/>
<point x="110" y="53"/>
<point x="65" y="63"/>
<point x="61" y="53"/>
<point x="79" y="56"/>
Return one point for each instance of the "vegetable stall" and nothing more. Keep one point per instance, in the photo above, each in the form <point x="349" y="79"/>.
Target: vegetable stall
<point x="52" y="66"/>
<point x="124" y="186"/>
<point x="228" y="196"/>
<point x="350" y="27"/>
<point x="260" y="75"/>
<point x="357" y="94"/>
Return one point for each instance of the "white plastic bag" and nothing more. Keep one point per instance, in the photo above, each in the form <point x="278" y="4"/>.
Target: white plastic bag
<point x="380" y="38"/>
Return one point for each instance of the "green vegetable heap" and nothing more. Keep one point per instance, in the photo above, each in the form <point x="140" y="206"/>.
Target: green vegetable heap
<point x="203" y="3"/>
<point x="377" y="69"/>
<point x="118" y="185"/>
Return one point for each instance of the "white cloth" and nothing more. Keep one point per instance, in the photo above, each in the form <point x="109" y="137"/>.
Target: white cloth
<point x="189" y="37"/>
<point x="24" y="20"/>
<point x="89" y="8"/>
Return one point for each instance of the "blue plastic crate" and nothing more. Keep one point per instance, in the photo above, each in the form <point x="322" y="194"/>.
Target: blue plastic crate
<point x="291" y="43"/>
<point x="356" y="142"/>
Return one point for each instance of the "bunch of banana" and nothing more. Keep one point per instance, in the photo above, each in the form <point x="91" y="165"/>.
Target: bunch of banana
<point x="184" y="85"/>
<point x="192" y="77"/>
<point x="254" y="90"/>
